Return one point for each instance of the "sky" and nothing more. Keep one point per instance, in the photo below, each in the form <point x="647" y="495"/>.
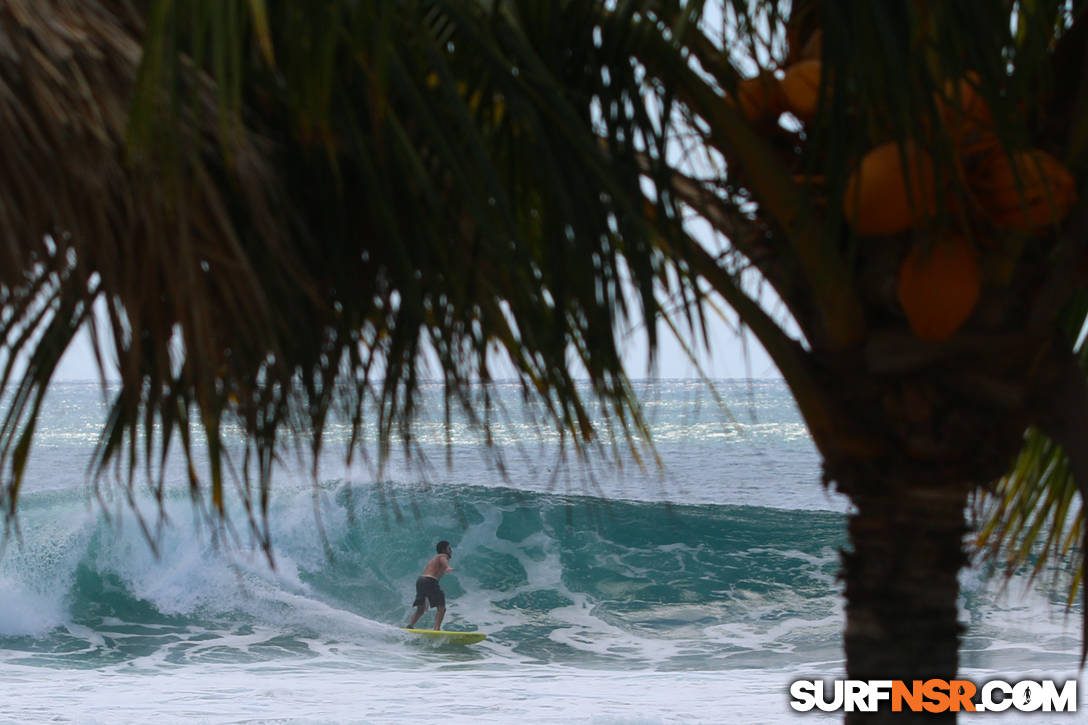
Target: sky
<point x="728" y="355"/>
<point x="726" y="358"/>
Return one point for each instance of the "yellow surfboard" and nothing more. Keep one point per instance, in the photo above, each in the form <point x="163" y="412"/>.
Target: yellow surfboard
<point x="445" y="635"/>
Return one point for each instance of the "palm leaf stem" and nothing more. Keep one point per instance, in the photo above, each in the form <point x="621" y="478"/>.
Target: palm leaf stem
<point x="750" y="156"/>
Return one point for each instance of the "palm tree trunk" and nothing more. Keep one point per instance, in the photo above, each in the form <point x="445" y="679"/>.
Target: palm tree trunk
<point x="902" y="587"/>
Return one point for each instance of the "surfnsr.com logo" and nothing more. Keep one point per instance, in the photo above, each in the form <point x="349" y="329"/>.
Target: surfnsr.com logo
<point x="933" y="696"/>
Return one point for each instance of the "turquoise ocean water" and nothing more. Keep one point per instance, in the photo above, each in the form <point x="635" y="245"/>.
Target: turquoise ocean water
<point x="693" y="592"/>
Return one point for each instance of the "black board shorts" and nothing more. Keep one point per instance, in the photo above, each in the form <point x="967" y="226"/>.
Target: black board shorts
<point x="427" y="590"/>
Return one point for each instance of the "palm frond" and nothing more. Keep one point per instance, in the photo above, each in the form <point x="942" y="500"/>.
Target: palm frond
<point x="284" y="207"/>
<point x="1034" y="517"/>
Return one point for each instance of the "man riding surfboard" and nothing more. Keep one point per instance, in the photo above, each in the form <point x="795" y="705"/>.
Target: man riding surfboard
<point x="428" y="592"/>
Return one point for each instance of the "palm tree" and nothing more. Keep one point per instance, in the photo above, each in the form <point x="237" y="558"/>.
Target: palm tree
<point x="277" y="208"/>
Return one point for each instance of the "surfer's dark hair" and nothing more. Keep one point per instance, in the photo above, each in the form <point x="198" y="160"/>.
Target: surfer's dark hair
<point x="442" y="546"/>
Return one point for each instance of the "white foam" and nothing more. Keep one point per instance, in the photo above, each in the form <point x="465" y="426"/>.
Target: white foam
<point x="24" y="612"/>
<point x="220" y="695"/>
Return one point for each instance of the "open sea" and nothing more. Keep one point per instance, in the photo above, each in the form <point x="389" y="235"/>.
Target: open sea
<point x="691" y="592"/>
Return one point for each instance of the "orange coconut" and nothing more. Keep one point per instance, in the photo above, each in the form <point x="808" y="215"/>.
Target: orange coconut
<point x="1025" y="191"/>
<point x="761" y="98"/>
<point x="939" y="286"/>
<point x="882" y="199"/>
<point x="801" y="87"/>
<point x="966" y="115"/>
<point x="814" y="46"/>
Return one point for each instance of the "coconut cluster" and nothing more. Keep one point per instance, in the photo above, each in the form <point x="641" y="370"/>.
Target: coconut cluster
<point x="766" y="96"/>
<point x="895" y="187"/>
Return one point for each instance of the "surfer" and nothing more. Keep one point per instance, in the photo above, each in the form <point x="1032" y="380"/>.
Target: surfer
<point x="427" y="589"/>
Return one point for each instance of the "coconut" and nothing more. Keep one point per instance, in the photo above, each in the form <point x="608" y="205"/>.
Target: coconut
<point x="1025" y="191"/>
<point x="814" y="46"/>
<point x="939" y="286"/>
<point x="966" y="116"/>
<point x="801" y="87"/>
<point x="761" y="98"/>
<point x="884" y="197"/>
